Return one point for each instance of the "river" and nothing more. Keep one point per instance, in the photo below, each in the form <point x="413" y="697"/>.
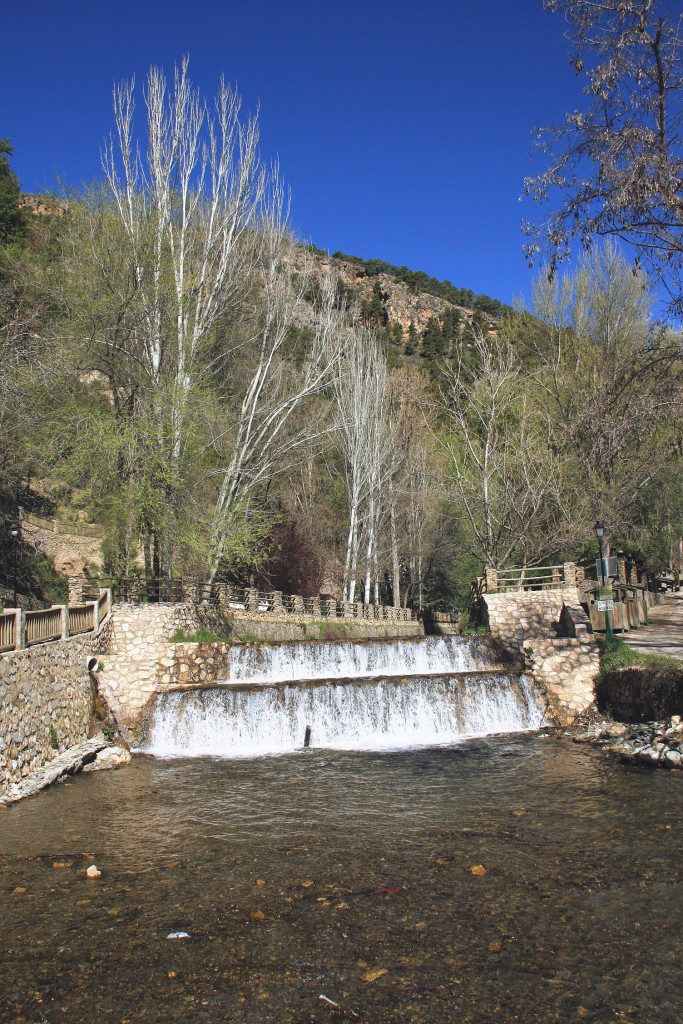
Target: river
<point x="509" y="878"/>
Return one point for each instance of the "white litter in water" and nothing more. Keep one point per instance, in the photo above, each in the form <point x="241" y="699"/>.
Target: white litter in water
<point x="178" y="935"/>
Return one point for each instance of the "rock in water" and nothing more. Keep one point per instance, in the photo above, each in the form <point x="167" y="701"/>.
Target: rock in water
<point x="110" y="757"/>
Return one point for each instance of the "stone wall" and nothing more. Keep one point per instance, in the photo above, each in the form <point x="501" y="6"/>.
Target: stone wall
<point x="140" y="643"/>
<point x="565" y="670"/>
<point x="46" y="702"/>
<point x="552" y="629"/>
<point x="523" y="615"/>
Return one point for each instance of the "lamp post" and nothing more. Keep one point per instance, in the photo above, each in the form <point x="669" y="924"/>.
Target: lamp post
<point x="14" y="533"/>
<point x="600" y="533"/>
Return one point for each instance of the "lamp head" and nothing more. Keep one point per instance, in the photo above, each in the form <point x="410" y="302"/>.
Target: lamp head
<point x="14" y="529"/>
<point x="599" y="530"/>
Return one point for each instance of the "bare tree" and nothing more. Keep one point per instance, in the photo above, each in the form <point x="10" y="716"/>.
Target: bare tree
<point x="617" y="164"/>
<point x="265" y="434"/>
<point x="360" y="394"/>
<point x="218" y="290"/>
<point x="190" y="209"/>
<point x="502" y="477"/>
<point x="611" y="380"/>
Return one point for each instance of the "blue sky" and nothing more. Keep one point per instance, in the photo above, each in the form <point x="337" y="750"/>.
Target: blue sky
<point x="403" y="130"/>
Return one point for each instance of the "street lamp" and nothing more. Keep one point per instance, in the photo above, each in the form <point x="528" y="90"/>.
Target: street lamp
<point x="600" y="533"/>
<point x="14" y="533"/>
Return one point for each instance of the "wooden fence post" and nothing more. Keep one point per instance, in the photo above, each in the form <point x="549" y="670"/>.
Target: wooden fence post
<point x="64" y="613"/>
<point x="19" y="630"/>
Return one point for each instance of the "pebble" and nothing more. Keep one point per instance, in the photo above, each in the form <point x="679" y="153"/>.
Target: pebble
<point x="93" y="872"/>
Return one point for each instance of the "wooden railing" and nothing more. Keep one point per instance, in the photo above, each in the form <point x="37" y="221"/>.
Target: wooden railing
<point x="8" y="621"/>
<point x="537" y="577"/>
<point x="238" y="600"/>
<point x="44" y="625"/>
<point x="82" y="618"/>
<point x="19" y="629"/>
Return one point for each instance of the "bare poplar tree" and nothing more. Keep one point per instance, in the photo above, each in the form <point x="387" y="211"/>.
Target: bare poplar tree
<point x="502" y="475"/>
<point x="190" y="207"/>
<point x="216" y="288"/>
<point x="265" y="434"/>
<point x="360" y="395"/>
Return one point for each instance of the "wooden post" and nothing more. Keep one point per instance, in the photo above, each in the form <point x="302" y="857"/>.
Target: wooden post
<point x="64" y="612"/>
<point x="19" y="630"/>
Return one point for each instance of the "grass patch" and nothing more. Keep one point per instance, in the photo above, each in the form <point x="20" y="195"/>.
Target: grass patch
<point x="201" y="636"/>
<point x="616" y="654"/>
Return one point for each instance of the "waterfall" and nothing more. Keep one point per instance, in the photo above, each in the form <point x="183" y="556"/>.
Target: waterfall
<point x="351" y="659"/>
<point x="246" y="721"/>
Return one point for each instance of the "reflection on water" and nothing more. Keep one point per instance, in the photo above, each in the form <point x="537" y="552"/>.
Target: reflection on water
<point x="348" y="874"/>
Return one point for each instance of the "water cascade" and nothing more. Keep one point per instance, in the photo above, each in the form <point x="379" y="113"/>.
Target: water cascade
<point x="350" y="695"/>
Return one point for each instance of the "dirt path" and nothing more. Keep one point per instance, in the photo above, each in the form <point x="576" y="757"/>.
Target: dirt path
<point x="664" y="632"/>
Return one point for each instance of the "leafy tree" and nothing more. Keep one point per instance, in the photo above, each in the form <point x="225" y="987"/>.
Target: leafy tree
<point x="617" y="164"/>
<point x="611" y="380"/>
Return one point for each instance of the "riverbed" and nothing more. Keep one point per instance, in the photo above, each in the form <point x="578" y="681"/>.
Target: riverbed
<point x="514" y="878"/>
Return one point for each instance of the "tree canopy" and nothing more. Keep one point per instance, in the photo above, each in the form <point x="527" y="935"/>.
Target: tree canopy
<point x="615" y="166"/>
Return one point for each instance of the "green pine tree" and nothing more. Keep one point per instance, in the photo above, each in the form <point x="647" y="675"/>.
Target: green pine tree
<point x="13" y="223"/>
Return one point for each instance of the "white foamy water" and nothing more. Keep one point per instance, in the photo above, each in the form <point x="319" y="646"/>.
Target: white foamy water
<point x="364" y="714"/>
<point x="348" y="659"/>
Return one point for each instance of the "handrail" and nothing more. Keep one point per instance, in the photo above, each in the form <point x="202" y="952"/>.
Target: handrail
<point x="234" y="599"/>
<point x="8" y="625"/>
<point x="43" y="625"/>
<point x="19" y="629"/>
<point x="541" y="568"/>
<point x="82" y="618"/>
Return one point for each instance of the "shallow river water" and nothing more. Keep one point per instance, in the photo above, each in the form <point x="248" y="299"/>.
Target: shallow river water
<point x="349" y="875"/>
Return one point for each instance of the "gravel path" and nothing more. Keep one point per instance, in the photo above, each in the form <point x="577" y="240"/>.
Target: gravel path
<point x="664" y="632"/>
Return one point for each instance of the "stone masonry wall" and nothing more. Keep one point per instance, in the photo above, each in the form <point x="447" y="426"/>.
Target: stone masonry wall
<point x="522" y="615"/>
<point x="565" y="669"/>
<point x="46" y="702"/>
<point x="552" y="629"/>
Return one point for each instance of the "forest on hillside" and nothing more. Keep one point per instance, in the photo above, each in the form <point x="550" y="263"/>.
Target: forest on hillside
<point x="177" y="368"/>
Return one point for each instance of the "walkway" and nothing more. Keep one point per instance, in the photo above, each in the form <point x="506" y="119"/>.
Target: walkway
<point x="664" y="632"/>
